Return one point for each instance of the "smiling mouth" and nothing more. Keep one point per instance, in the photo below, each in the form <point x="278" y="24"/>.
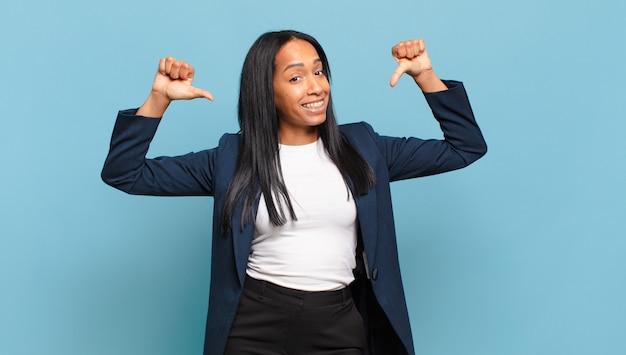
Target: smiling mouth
<point x="314" y="105"/>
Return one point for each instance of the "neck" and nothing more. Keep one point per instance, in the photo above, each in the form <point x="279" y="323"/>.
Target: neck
<point x="299" y="138"/>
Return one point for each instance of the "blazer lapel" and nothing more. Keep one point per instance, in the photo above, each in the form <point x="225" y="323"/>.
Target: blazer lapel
<point x="366" y="215"/>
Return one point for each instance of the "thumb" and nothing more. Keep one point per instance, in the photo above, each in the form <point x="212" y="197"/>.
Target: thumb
<point x="201" y="93"/>
<point x="396" y="75"/>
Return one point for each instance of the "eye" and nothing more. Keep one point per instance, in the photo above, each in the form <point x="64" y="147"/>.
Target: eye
<point x="320" y="72"/>
<point x="295" y="79"/>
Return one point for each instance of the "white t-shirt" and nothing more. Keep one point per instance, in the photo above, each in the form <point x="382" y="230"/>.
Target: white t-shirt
<point x="316" y="252"/>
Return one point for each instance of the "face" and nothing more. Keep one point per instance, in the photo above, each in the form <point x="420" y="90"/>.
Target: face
<point x="301" y="92"/>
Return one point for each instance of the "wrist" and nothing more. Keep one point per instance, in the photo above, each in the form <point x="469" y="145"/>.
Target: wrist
<point x="428" y="81"/>
<point x="154" y="106"/>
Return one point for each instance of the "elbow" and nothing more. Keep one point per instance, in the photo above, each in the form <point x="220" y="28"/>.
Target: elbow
<point x="480" y="151"/>
<point x="108" y="174"/>
<point x="106" y="178"/>
<point x="476" y="153"/>
<point x="483" y="150"/>
<point x="118" y="182"/>
<point x="480" y="148"/>
<point x="109" y="179"/>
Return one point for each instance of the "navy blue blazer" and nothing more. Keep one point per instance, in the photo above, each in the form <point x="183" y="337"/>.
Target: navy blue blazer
<point x="378" y="289"/>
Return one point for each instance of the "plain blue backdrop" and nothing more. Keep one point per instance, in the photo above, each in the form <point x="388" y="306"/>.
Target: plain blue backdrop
<point x="522" y="253"/>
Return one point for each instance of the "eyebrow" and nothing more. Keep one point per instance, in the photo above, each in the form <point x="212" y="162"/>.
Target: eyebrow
<point x="300" y="64"/>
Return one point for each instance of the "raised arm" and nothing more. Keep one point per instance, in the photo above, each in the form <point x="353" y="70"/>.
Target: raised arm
<point x="463" y="142"/>
<point x="126" y="167"/>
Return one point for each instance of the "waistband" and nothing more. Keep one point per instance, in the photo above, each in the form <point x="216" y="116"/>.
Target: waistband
<point x="297" y="297"/>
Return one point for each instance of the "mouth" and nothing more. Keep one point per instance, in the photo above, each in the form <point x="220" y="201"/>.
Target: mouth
<point x="313" y="105"/>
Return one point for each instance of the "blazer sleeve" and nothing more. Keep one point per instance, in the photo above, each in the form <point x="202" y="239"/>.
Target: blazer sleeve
<point x="126" y="167"/>
<point x="463" y="141"/>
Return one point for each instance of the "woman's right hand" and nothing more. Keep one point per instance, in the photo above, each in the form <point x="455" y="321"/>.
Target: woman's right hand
<point x="172" y="81"/>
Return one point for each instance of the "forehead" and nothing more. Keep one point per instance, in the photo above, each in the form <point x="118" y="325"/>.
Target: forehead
<point x="296" y="51"/>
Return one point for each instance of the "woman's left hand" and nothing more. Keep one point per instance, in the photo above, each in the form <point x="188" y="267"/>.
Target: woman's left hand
<point x="413" y="60"/>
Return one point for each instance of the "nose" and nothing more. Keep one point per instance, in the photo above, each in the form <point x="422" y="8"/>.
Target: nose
<point x="315" y="87"/>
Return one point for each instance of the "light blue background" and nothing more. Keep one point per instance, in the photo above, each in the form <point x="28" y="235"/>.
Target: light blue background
<point x="522" y="253"/>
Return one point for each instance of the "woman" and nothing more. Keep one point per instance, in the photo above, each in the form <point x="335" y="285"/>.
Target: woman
<point x="304" y="257"/>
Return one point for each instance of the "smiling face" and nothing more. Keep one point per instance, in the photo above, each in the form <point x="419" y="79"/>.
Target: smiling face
<point x="301" y="92"/>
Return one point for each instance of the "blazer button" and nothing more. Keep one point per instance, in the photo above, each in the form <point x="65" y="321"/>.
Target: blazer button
<point x="374" y="274"/>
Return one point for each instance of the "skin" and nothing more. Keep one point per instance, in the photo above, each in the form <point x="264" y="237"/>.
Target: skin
<point x="413" y="59"/>
<point x="301" y="93"/>
<point x="173" y="81"/>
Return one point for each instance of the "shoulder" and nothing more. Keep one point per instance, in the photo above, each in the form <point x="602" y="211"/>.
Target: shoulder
<point x="229" y="141"/>
<point x="229" y="138"/>
<point x="227" y="150"/>
<point x="225" y="161"/>
<point x="363" y="138"/>
<point x="357" y="129"/>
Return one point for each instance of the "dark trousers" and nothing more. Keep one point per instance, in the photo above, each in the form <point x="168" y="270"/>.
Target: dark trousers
<point x="274" y="320"/>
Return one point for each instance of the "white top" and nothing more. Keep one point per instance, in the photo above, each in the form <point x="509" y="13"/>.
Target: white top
<point x="316" y="252"/>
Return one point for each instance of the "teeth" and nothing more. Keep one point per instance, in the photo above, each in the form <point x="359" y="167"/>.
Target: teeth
<point x="314" y="105"/>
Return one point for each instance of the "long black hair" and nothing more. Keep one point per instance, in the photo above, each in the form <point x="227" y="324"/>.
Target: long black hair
<point x="258" y="163"/>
